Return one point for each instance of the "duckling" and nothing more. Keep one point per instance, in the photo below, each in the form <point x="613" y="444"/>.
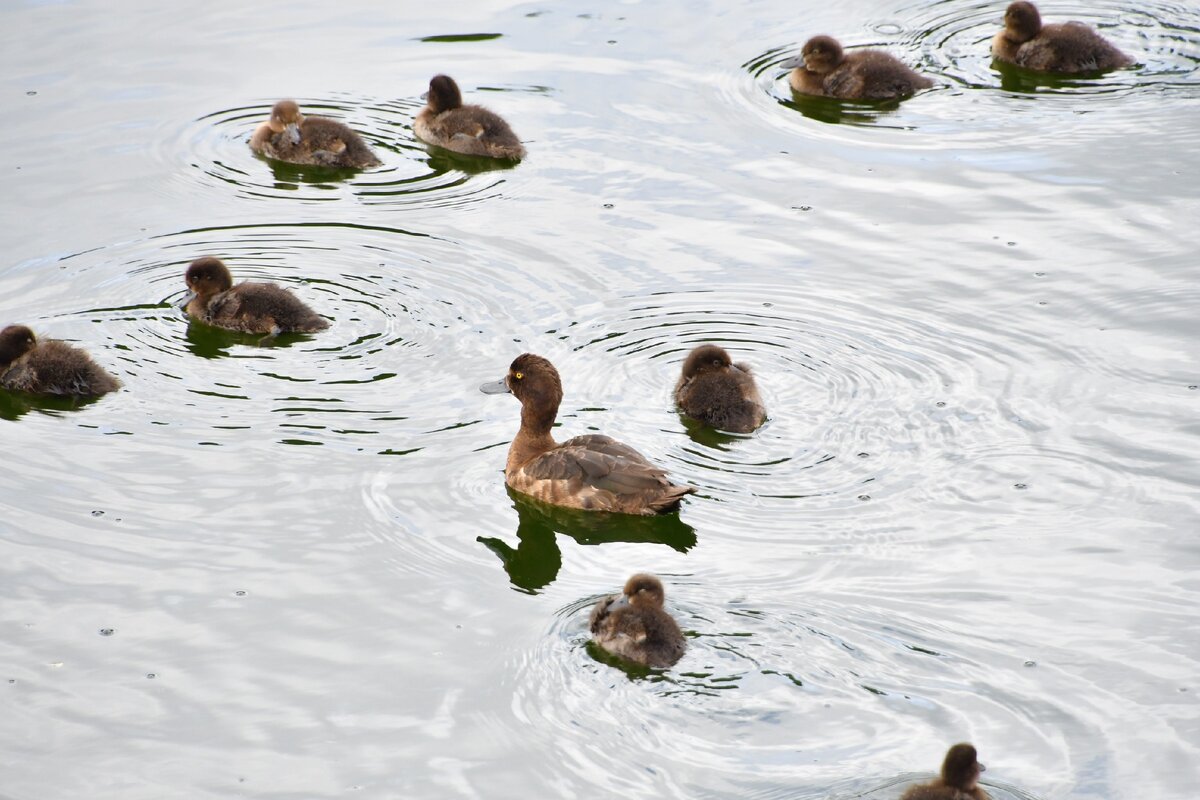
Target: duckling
<point x="959" y="780"/>
<point x="634" y="625"/>
<point x="248" y="307"/>
<point x="824" y="69"/>
<point x="590" y="472"/>
<point x="472" y="130"/>
<point x="49" y="366"/>
<point x="290" y="136"/>
<point x="718" y="392"/>
<point x="1066" y="47"/>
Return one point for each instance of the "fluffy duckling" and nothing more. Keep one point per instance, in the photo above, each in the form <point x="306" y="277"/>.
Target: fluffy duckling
<point x="718" y="392"/>
<point x="634" y="625"/>
<point x="1065" y="47"/>
<point x="49" y="366"/>
<point x="959" y="779"/>
<point x="248" y="307"/>
<point x="824" y="69"/>
<point x="290" y="136"/>
<point x="472" y="130"/>
<point x="590" y="472"/>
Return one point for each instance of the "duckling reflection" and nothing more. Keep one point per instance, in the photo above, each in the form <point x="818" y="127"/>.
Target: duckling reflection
<point x="472" y="130"/>
<point x="959" y="779"/>
<point x="591" y="472"/>
<point x="290" y="136"/>
<point x="534" y="563"/>
<point x="823" y="68"/>
<point x="247" y="307"/>
<point x="1067" y="47"/>
<point x="718" y="392"/>
<point x="49" y="367"/>
<point x="634" y="625"/>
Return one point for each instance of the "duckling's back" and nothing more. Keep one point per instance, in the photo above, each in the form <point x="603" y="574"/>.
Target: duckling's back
<point x="1070" y="47"/>
<point x="473" y="130"/>
<point x="727" y="400"/>
<point x="262" y="308"/>
<point x="874" y="75"/>
<point x="54" y="367"/>
<point x="324" y="142"/>
<point x="648" y="636"/>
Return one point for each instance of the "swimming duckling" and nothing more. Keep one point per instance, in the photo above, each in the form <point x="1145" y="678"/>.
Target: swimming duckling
<point x="590" y="472"/>
<point x="718" y="392"/>
<point x="634" y="625"/>
<point x="247" y="307"/>
<point x="959" y="780"/>
<point x="291" y="136"/>
<point x="49" y="366"/>
<point x="472" y="130"/>
<point x="824" y="69"/>
<point x="1065" y="47"/>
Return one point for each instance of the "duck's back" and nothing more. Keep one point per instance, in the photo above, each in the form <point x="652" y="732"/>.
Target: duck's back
<point x="1070" y="47"/>
<point x="54" y="367"/>
<point x="325" y="142"/>
<point x="598" y="473"/>
<point x="873" y="75"/>
<point x="472" y="130"/>
<point x="728" y="401"/>
<point x="648" y="636"/>
<point x="262" y="308"/>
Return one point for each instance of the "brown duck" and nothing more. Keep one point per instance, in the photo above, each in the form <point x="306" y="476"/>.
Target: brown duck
<point x="590" y="472"/>
<point x="472" y="130"/>
<point x="247" y="307"/>
<point x="959" y="779"/>
<point x="49" y="366"/>
<point x="718" y="392"/>
<point x="1064" y="47"/>
<point x="823" y="68"/>
<point x="634" y="625"/>
<point x="290" y="136"/>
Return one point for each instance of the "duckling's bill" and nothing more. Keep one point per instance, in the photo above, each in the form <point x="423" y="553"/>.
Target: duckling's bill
<point x="496" y="387"/>
<point x="187" y="298"/>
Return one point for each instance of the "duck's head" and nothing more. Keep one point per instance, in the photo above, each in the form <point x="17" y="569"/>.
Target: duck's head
<point x="205" y="277"/>
<point x="706" y="358"/>
<point x="443" y="94"/>
<point x="286" y="116"/>
<point x="645" y="591"/>
<point x="820" y="54"/>
<point x="15" y="341"/>
<point x="1022" y="21"/>
<point x="535" y="382"/>
<point x="961" y="768"/>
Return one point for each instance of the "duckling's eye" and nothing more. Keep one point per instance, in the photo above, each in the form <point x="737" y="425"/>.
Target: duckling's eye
<point x="518" y="375"/>
<point x="716" y="362"/>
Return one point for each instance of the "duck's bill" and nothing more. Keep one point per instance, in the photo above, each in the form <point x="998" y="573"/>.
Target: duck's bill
<point x="982" y="768"/>
<point x="187" y="298"/>
<point x="424" y="95"/>
<point x="792" y="63"/>
<point x="495" y="387"/>
<point x="293" y="132"/>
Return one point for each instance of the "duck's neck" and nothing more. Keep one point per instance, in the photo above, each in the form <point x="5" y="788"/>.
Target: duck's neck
<point x="533" y="438"/>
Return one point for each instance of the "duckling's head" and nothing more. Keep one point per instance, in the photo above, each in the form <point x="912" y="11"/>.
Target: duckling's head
<point x="644" y="590"/>
<point x="286" y="116"/>
<point x="821" y="54"/>
<point x="1022" y="21"/>
<point x="961" y="768"/>
<point x="443" y="94"/>
<point x="15" y="341"/>
<point x="208" y="276"/>
<point x="706" y="358"/>
<point x="535" y="382"/>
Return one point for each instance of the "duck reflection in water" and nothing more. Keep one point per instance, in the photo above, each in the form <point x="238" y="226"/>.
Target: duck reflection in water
<point x="534" y="563"/>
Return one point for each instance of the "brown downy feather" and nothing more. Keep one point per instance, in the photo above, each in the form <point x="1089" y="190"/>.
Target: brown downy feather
<point x="859" y="75"/>
<point x="48" y="366"/>
<point x="322" y="141"/>
<point x="1066" y="48"/>
<point x="635" y="627"/>
<point x="472" y="130"/>
<point x="247" y="307"/>
<point x="717" y="392"/>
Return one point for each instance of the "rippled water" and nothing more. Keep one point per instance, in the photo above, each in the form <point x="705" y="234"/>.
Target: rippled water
<point x="293" y="569"/>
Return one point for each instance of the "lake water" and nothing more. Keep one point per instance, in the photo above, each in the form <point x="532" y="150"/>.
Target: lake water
<point x="294" y="571"/>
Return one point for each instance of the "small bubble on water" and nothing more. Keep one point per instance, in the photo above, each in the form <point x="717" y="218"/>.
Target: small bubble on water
<point x="864" y="454"/>
<point x="1042" y="302"/>
<point x="1031" y="663"/>
<point x="31" y="93"/>
<point x="612" y="41"/>
<point x="1011" y="244"/>
<point x="107" y="631"/>
<point x="1020" y="486"/>
<point x="940" y="404"/>
<point x="771" y="305"/>
<point x="14" y="680"/>
<point x="888" y="28"/>
<point x="608" y="205"/>
<point x="151" y="675"/>
<point x="97" y="513"/>
<point x="240" y="592"/>
<point x="864" y="497"/>
<point x="1192" y="387"/>
<point x="1039" y="274"/>
<point x="802" y="208"/>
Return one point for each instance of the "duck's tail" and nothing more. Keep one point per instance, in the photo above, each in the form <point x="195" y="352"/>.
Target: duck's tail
<point x="670" y="498"/>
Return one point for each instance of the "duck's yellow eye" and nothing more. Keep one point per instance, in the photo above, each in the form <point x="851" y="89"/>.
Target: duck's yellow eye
<point x="518" y="375"/>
